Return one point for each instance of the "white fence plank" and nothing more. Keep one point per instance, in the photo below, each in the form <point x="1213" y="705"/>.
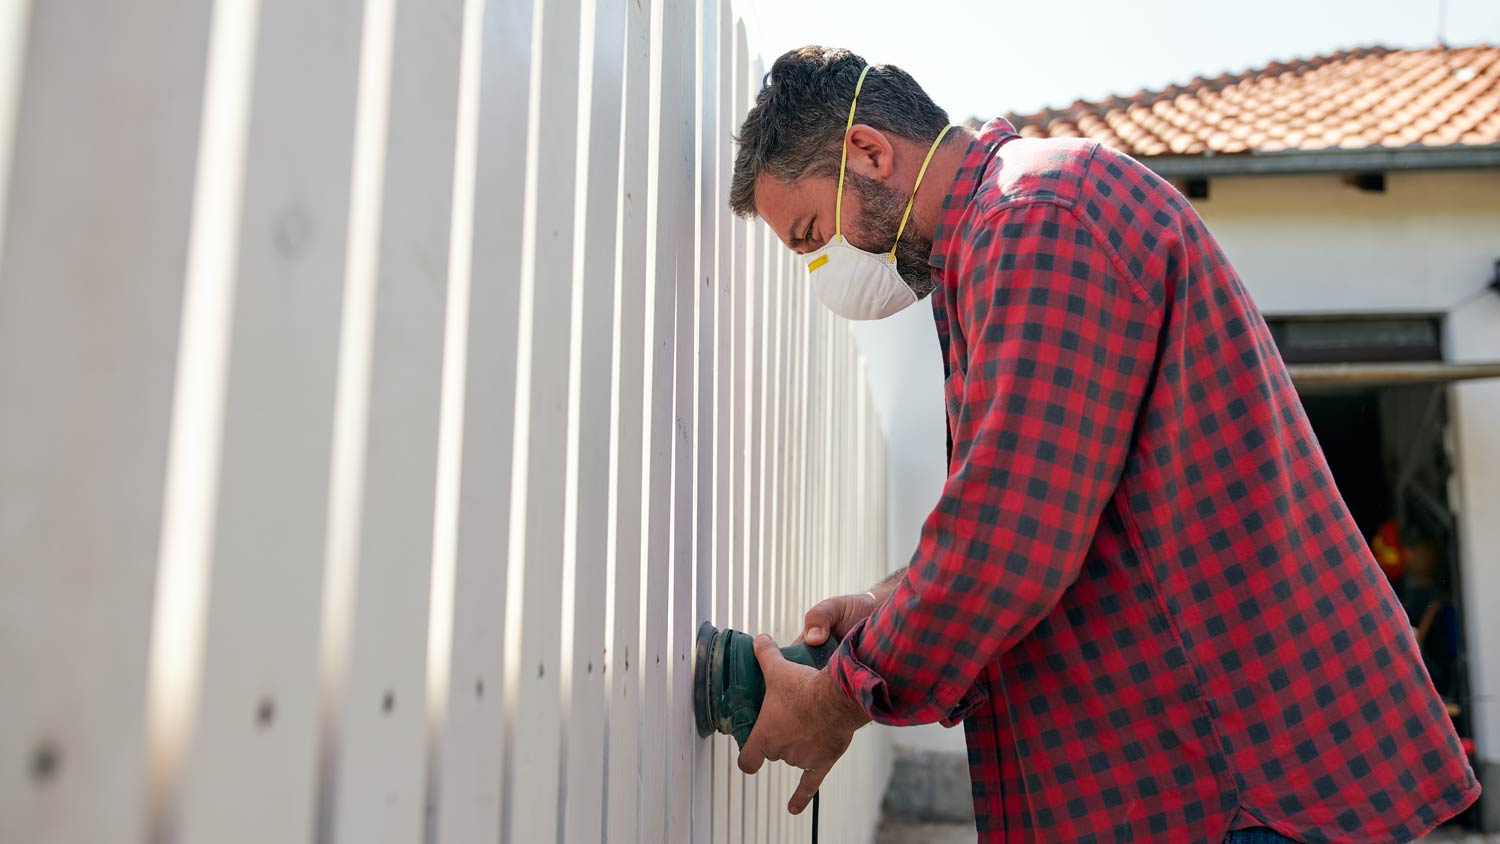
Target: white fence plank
<point x="710" y="209"/>
<point x="106" y="129"/>
<point x="586" y="696"/>
<point x="623" y="771"/>
<point x="473" y="742"/>
<point x="389" y="391"/>
<point x="679" y="126"/>
<point x="539" y="479"/>
<point x="724" y="284"/>
<point x="251" y="765"/>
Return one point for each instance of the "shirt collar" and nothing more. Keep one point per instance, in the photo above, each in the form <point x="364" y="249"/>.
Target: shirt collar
<point x="965" y="182"/>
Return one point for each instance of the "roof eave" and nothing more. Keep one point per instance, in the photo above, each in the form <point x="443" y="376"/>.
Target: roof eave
<point x="1326" y="161"/>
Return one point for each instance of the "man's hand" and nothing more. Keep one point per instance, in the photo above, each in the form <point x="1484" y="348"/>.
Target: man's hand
<point x="804" y="721"/>
<point x="838" y="615"/>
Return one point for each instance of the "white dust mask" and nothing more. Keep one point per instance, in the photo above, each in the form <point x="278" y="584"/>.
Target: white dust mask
<point x="849" y="281"/>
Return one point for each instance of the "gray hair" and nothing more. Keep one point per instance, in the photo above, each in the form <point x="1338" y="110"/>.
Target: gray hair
<point x="796" y="127"/>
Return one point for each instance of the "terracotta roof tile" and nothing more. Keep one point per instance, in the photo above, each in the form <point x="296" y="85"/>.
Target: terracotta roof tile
<point x="1352" y="99"/>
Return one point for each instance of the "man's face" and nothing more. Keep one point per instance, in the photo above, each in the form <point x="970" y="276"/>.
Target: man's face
<point x="802" y="215"/>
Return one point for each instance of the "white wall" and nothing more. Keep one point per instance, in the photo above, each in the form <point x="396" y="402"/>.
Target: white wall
<point x="386" y="395"/>
<point x="1314" y="244"/>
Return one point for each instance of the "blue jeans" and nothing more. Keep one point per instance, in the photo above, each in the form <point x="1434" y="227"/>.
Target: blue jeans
<point x="1258" y="835"/>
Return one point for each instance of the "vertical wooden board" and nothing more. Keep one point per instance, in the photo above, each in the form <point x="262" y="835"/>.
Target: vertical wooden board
<point x="828" y="426"/>
<point x="776" y="396"/>
<point x="863" y="501"/>
<point x="791" y="338"/>
<point x="723" y="281"/>
<point x="106" y="126"/>
<point x="539" y="480"/>
<point x="764" y="279"/>
<point x="775" y="350"/>
<point x="828" y="533"/>
<point x="803" y="494"/>
<point x="665" y="172"/>
<point x="749" y="550"/>
<point x="739" y="577"/>
<point x="813" y="541"/>
<point x="840" y="489"/>
<point x="250" y="769"/>
<point x="622" y="769"/>
<point x="787" y="447"/>
<point x="390" y="374"/>
<point x="679" y="128"/>
<point x="735" y="614"/>
<point x="710" y="209"/>
<point x="443" y="699"/>
<point x="586" y="699"/>
<point x="755" y="402"/>
<point x="848" y="486"/>
<point x="795" y="433"/>
<point x="783" y="560"/>
<point x="472" y="743"/>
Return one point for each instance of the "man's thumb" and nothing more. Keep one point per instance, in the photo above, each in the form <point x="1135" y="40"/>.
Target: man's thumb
<point x="767" y="653"/>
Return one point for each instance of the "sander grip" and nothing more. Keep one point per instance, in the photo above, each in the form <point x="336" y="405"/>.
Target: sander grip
<point x="728" y="686"/>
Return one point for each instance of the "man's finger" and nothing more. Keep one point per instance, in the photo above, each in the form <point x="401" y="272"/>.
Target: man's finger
<point x="818" y="621"/>
<point x="811" y="780"/>
<point x="751" y="757"/>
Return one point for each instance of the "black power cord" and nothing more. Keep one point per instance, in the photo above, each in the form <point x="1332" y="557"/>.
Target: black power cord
<point x="815" y="818"/>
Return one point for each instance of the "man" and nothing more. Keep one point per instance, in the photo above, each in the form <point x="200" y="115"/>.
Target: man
<point x="1140" y="590"/>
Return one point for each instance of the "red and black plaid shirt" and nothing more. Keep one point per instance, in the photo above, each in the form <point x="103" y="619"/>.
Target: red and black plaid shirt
<point x="1140" y="589"/>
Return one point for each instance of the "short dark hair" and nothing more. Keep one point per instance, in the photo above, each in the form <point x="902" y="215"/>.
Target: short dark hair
<point x="796" y="126"/>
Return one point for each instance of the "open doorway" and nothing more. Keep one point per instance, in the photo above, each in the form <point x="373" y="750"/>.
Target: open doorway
<point x="1386" y="448"/>
<point x="1384" y="431"/>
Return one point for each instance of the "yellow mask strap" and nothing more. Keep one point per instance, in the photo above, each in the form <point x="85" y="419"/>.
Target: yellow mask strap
<point x="838" y="208"/>
<point x="912" y="200"/>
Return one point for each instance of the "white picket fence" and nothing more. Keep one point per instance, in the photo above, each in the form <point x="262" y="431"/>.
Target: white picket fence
<point x="386" y="394"/>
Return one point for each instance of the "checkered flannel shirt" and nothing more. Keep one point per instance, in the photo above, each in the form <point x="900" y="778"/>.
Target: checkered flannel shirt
<point x="1140" y="589"/>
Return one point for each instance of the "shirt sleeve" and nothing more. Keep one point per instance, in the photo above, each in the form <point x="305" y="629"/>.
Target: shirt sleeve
<point x="1061" y="346"/>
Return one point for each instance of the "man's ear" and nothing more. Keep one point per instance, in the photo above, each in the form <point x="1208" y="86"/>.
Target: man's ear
<point x="870" y="152"/>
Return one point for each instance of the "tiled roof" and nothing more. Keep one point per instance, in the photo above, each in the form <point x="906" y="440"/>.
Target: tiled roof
<point x="1372" y="97"/>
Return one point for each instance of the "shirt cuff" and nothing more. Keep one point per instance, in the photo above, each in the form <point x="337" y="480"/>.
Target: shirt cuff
<point x="870" y="692"/>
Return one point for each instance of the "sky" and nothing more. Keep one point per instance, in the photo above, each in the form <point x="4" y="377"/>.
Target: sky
<point x="987" y="57"/>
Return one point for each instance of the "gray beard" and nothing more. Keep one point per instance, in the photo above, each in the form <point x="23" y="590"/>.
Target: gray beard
<point x="881" y="208"/>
